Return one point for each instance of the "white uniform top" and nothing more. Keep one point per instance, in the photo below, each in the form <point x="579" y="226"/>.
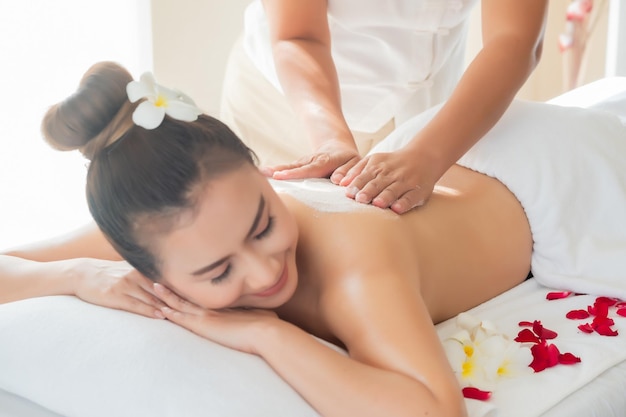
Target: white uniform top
<point x="394" y="58"/>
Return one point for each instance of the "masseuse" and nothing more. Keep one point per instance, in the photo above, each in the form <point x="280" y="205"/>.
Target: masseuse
<point x="314" y="84"/>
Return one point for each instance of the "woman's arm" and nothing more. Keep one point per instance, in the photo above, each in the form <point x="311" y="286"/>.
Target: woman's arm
<point x="301" y="48"/>
<point x="396" y="366"/>
<point x="80" y="263"/>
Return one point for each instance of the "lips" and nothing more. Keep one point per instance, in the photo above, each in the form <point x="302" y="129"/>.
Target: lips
<point x="276" y="287"/>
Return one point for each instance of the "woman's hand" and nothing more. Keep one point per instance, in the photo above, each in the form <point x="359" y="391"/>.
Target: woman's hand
<point x="237" y="329"/>
<point x="115" y="284"/>
<point x="333" y="159"/>
<point x="394" y="180"/>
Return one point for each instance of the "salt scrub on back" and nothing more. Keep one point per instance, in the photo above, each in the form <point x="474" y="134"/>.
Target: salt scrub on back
<point x="320" y="194"/>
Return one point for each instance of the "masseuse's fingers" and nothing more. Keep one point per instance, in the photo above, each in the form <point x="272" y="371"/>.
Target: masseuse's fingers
<point x="334" y="158"/>
<point x="388" y="180"/>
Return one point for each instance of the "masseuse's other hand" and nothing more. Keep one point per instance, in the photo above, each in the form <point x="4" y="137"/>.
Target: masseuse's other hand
<point x="332" y="160"/>
<point x="390" y="180"/>
<point x="115" y="284"/>
<point x="234" y="328"/>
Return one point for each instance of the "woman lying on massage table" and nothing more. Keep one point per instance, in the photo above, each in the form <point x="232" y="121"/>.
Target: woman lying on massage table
<point x="181" y="200"/>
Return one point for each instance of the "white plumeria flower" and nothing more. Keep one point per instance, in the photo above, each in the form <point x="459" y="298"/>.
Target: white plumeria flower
<point x="159" y="102"/>
<point x="480" y="356"/>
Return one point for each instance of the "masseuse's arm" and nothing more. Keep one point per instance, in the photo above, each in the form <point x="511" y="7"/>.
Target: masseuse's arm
<point x="512" y="34"/>
<point x="80" y="263"/>
<point x="302" y="55"/>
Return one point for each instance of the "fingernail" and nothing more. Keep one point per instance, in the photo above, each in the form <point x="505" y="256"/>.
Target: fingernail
<point x="336" y="178"/>
<point x="352" y="191"/>
<point x="362" y="198"/>
<point x="158" y="314"/>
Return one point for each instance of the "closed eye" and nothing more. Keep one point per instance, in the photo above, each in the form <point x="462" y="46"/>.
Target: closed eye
<point x="268" y="229"/>
<point x="221" y="277"/>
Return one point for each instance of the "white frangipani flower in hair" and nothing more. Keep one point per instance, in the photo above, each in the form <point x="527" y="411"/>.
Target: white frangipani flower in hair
<point x="159" y="102"/>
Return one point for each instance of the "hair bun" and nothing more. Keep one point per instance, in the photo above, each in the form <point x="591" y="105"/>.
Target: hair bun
<point x="74" y="122"/>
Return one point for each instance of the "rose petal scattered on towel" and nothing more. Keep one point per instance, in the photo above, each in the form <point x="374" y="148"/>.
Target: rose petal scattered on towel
<point x="606" y="330"/>
<point x="621" y="311"/>
<point x="526" y="336"/>
<point x="525" y="324"/>
<point x="606" y="300"/>
<point x="542" y="332"/>
<point x="545" y="355"/>
<point x="557" y="295"/>
<point x="476" y="394"/>
<point x="586" y="328"/>
<point x="568" y="359"/>
<point x="577" y="314"/>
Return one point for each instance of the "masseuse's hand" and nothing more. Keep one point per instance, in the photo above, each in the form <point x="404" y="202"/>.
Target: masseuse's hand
<point x="234" y="328"/>
<point x="393" y="180"/>
<point x="333" y="159"/>
<point x="115" y="284"/>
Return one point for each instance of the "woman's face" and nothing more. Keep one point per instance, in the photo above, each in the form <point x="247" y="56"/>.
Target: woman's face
<point x="237" y="249"/>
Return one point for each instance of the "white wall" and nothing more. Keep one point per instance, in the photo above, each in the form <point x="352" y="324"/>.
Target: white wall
<point x="616" y="43"/>
<point x="46" y="47"/>
<point x="192" y="40"/>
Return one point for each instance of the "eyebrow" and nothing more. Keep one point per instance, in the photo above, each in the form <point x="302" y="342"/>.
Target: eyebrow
<point x="255" y="224"/>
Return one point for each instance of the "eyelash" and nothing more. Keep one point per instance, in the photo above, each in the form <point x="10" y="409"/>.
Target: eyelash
<point x="264" y="233"/>
<point x="221" y="277"/>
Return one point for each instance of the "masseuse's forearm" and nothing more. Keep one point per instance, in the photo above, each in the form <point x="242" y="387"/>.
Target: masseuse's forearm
<point x="485" y="91"/>
<point x="309" y="79"/>
<point x="22" y="278"/>
<point x="337" y="385"/>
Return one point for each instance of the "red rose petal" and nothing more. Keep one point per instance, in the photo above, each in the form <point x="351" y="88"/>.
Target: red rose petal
<point x="621" y="304"/>
<point x="544" y="356"/>
<point x="568" y="359"/>
<point x="605" y="330"/>
<point x="557" y="295"/>
<point x="526" y="336"/>
<point x="577" y="314"/>
<point x="606" y="300"/>
<point x="525" y="324"/>
<point x="476" y="394"/>
<point x="602" y="321"/>
<point x="599" y="309"/>
<point x="542" y="332"/>
<point x="586" y="328"/>
<point x="621" y="311"/>
<point x="553" y="355"/>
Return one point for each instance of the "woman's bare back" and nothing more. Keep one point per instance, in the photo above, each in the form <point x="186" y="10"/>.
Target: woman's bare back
<point x="470" y="243"/>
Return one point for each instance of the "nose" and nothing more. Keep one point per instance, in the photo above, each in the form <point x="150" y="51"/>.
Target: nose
<point x="262" y="271"/>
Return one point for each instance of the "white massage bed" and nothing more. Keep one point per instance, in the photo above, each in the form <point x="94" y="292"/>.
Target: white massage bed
<point x="60" y="357"/>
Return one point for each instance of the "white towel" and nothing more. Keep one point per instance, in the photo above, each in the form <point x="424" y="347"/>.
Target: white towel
<point x="567" y="167"/>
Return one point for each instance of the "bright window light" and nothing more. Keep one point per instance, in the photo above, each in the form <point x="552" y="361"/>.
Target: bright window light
<point x="46" y="47"/>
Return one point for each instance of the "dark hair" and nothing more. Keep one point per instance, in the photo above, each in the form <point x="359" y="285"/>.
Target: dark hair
<point x="139" y="181"/>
